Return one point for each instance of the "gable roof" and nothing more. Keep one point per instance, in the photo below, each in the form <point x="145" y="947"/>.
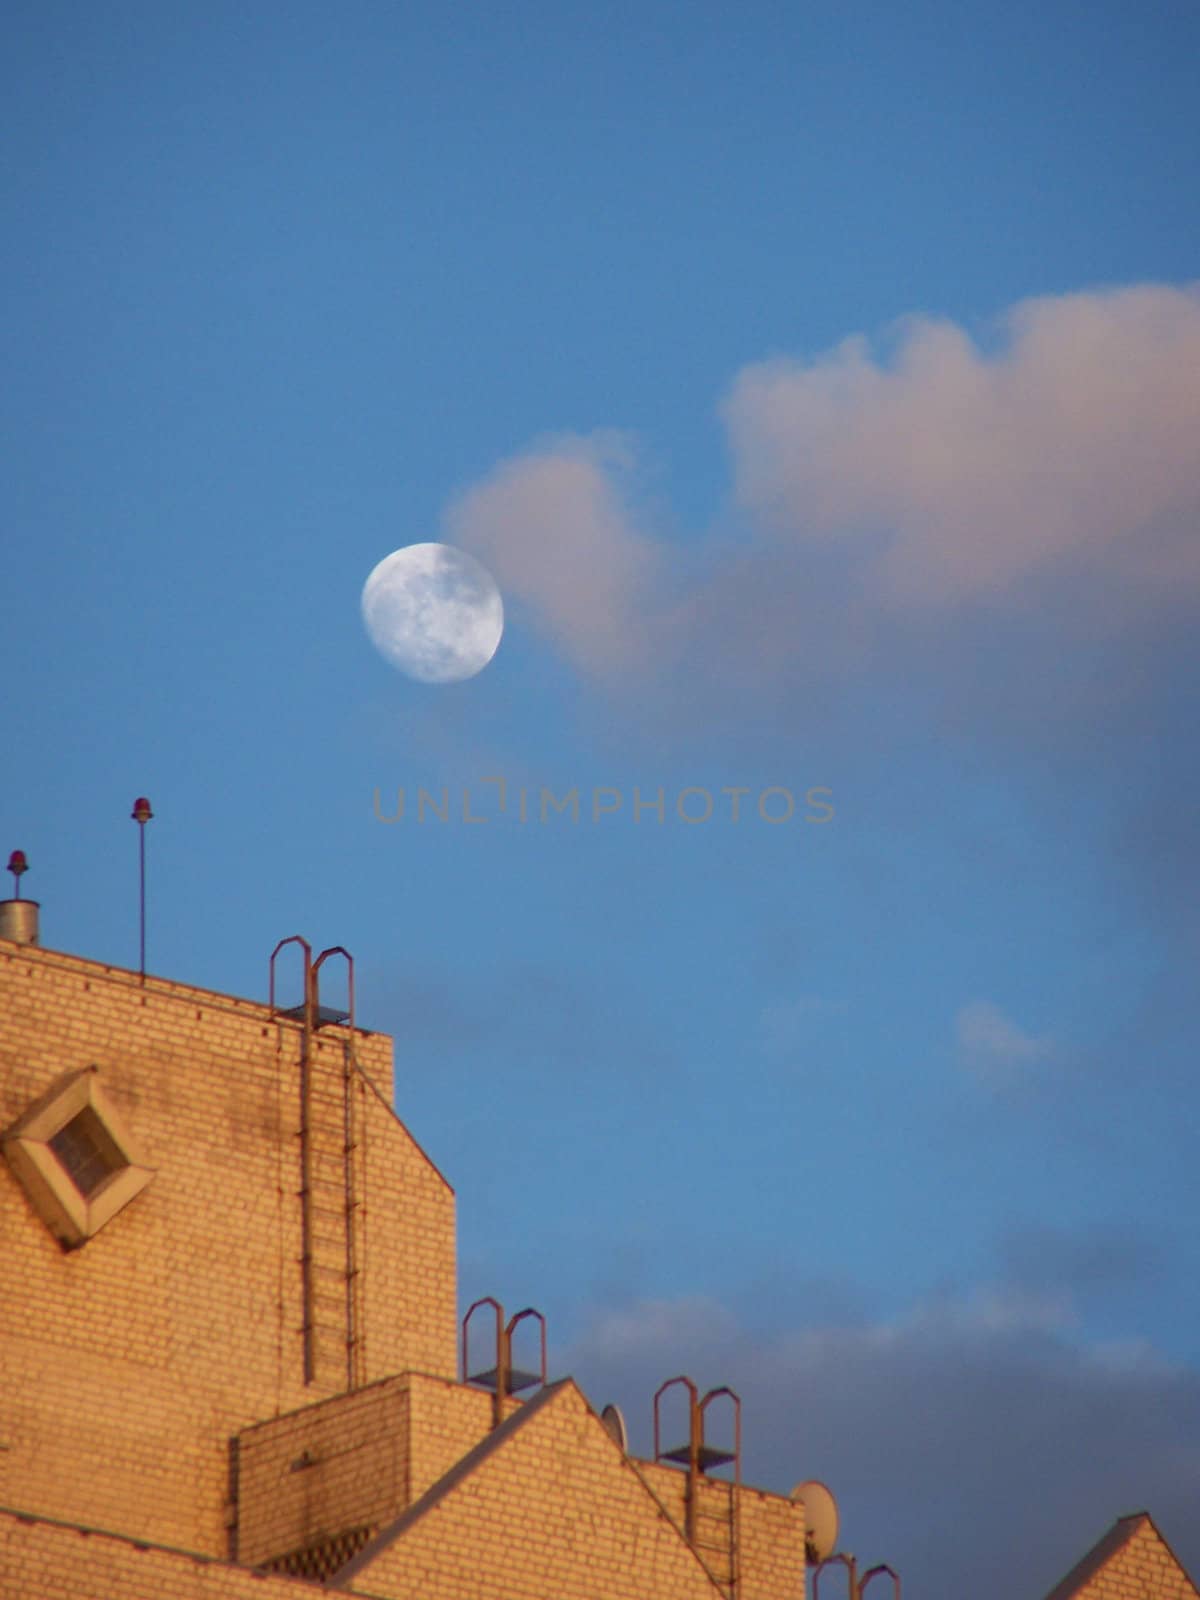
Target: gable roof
<point x="448" y="1481"/>
<point x="560" y="1512"/>
<point x="1106" y="1549"/>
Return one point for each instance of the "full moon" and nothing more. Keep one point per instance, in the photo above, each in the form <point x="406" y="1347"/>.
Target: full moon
<point x="434" y="612"/>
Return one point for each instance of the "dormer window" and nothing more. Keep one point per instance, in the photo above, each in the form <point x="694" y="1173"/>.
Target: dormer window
<point x="75" y="1158"/>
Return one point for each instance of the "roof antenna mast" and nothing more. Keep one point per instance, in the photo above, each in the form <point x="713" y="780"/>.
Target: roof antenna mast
<point x="141" y="814"/>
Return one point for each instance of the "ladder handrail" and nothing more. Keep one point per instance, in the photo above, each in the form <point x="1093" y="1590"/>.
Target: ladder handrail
<point x="484" y="1300"/>
<point x="335" y="950"/>
<point x="519" y="1316"/>
<point x="293" y="938"/>
<point x="844" y="1560"/>
<point x="714" y="1394"/>
<point x="874" y="1572"/>
<point x="693" y="1401"/>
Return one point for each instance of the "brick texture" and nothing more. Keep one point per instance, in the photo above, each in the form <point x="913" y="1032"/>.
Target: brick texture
<point x="556" y="1510"/>
<point x="1132" y="1562"/>
<point x="127" y="1365"/>
<point x="251" y="1370"/>
<point x="769" y="1530"/>
<point x="43" y="1560"/>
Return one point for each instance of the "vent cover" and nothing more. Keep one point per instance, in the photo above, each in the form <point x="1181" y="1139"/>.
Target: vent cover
<point x="321" y="1561"/>
<point x="75" y="1158"/>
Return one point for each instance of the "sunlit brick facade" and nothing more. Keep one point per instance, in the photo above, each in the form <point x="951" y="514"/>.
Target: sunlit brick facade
<point x="238" y="1374"/>
<point x="229" y="1343"/>
<point x="1131" y="1562"/>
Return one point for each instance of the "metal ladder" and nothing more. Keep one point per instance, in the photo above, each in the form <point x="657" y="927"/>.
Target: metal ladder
<point x="328" y="1189"/>
<point x="712" y="1529"/>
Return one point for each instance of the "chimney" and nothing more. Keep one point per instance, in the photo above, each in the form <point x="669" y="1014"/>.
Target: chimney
<point x="18" y="918"/>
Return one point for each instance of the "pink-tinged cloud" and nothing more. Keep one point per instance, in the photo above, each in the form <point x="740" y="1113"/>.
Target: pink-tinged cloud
<point x="555" y="528"/>
<point x="1055" y="476"/>
<point x="1073" y="450"/>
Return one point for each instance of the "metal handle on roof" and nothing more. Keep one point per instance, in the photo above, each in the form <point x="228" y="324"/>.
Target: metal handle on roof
<point x="694" y="1446"/>
<point x="520" y="1316"/>
<point x="501" y="1368"/>
<point x="294" y="938"/>
<point x="699" y="1457"/>
<point x="874" y="1572"/>
<point x="856" y="1585"/>
<point x="486" y="1300"/>
<point x="504" y="1379"/>
<point x="693" y="1402"/>
<point x="335" y="950"/>
<point x="715" y="1394"/>
<point x="841" y="1559"/>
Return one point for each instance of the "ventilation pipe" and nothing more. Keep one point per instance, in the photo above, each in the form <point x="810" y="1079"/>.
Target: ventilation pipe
<point x="18" y="917"/>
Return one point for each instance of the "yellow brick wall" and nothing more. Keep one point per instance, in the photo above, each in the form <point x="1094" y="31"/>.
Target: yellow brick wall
<point x="40" y="1560"/>
<point x="772" y="1542"/>
<point x="372" y="1453"/>
<point x="557" y="1512"/>
<point x="368" y="1455"/>
<point x="1144" y="1569"/>
<point x="408" y="1248"/>
<point x="447" y="1420"/>
<point x="770" y="1529"/>
<point x="151" y="1382"/>
<point x="318" y="1472"/>
<point x="127" y="1365"/>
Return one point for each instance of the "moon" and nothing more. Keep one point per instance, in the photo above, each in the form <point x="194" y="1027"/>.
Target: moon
<point x="434" y="612"/>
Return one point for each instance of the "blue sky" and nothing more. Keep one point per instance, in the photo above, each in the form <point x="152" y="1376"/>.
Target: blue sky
<point x="820" y="384"/>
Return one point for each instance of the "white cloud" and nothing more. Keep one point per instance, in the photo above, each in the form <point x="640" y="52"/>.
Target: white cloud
<point x="998" y="1309"/>
<point x="556" y="529"/>
<point x="994" y="1047"/>
<point x="1060" y="471"/>
<point x="1073" y="447"/>
<point x="656" y="1325"/>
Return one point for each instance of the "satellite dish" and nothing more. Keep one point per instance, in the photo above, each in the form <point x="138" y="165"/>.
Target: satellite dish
<point x="820" y="1519"/>
<point x="614" y="1425"/>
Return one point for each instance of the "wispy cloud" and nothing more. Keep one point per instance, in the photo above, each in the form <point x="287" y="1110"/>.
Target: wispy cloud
<point x="993" y="1047"/>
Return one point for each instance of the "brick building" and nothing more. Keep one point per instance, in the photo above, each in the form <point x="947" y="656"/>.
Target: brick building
<point x="1131" y="1562"/>
<point x="230" y="1355"/>
<point x="231" y="1363"/>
